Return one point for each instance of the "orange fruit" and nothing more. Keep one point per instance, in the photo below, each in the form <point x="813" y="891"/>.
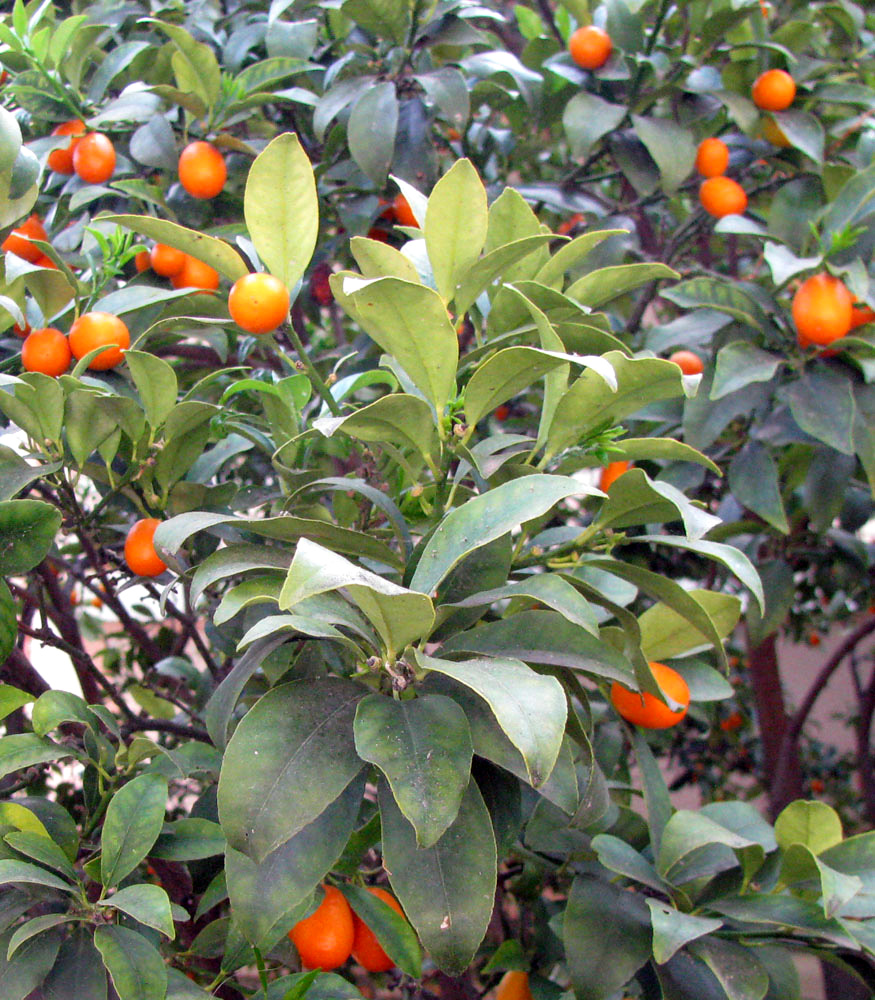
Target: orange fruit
<point x="94" y="158"/>
<point x="366" y="949"/>
<point x="502" y="412"/>
<point x="774" y="90"/>
<point x="19" y="240"/>
<point x="166" y="261"/>
<point x="647" y="711"/>
<point x="721" y="196"/>
<point x="258" y="302"/>
<point x="611" y="473"/>
<point x="324" y="939"/>
<point x="202" y="170"/>
<point x="140" y="554"/>
<point x="732" y="722"/>
<point x="380" y="235"/>
<point x="196" y="274"/>
<point x="143" y="261"/>
<point x="570" y="224"/>
<point x="823" y="310"/>
<point x="44" y="261"/>
<point x="61" y="160"/>
<point x="688" y="362"/>
<point x="590" y="47"/>
<point x="712" y="157"/>
<point x="773" y="133"/>
<point x="21" y="332"/>
<point x="96" y="329"/>
<point x="514" y="985"/>
<point x="403" y="212"/>
<point x="46" y="351"/>
<point x="861" y="315"/>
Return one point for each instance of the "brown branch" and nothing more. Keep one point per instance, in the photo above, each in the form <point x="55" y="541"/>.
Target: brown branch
<point x="164" y="726"/>
<point x="18" y="671"/>
<point x="864" y="735"/>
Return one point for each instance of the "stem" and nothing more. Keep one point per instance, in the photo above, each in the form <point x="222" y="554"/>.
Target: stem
<point x="96" y="816"/>
<point x="316" y="379"/>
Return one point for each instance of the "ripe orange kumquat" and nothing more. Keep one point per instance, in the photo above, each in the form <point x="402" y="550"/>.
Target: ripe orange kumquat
<point x="19" y="240"/>
<point x="647" y="711"/>
<point x="366" y="949"/>
<point x="590" y="47"/>
<point x="721" y="196"/>
<point x="94" y="158"/>
<point x="514" y="985"/>
<point x="46" y="351"/>
<point x="774" y="90"/>
<point x="712" y="157"/>
<point x="259" y="302"/>
<point x="823" y="310"/>
<point x="99" y="329"/>
<point x="688" y="362"/>
<point x="61" y="160"/>
<point x="202" y="170"/>
<point x="403" y="212"/>
<point x="611" y="473"/>
<point x="143" y="261"/>
<point x="140" y="554"/>
<point x="324" y="939"/>
<point x="196" y="274"/>
<point x="166" y="261"/>
<point x="861" y="315"/>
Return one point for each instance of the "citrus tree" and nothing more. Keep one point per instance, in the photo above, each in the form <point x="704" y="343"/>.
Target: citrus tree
<point x="313" y="522"/>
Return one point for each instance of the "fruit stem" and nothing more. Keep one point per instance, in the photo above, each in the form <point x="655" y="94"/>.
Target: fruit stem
<point x="316" y="379"/>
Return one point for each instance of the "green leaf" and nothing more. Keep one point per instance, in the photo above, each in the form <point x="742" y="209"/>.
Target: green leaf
<point x="147" y="904"/>
<point x="41" y="848"/>
<point x="27" y="531"/>
<point x="587" y="118"/>
<point x="189" y="839"/>
<point x="685" y="833"/>
<point x="656" y="796"/>
<point x="618" y="856"/>
<point x="673" y="929"/>
<point x="607" y="937"/>
<point x="591" y="403"/>
<point x="803" y="131"/>
<point x="291" y="755"/>
<point x="735" y="966"/>
<point x="156" y="383"/>
<point x="500" y="259"/>
<point x="379" y="260"/>
<point x="399" y="615"/>
<point x="388" y="19"/>
<point x="195" y="67"/>
<point x="10" y="697"/>
<point x="800" y="864"/>
<point x="137" y="970"/>
<point x="29" y="966"/>
<point x="487" y="517"/>
<point x="27" y="749"/>
<point x="722" y="295"/>
<point x="599" y="287"/>
<point x="133" y="821"/>
<point x="544" y="637"/>
<point x="89" y="424"/>
<point x="672" y="147"/>
<point x="281" y="208"/>
<point x="371" y="130"/>
<point x="455" y="225"/>
<point x="423" y="747"/>
<point x="24" y="932"/>
<point x="409" y="321"/>
<point x="78" y="970"/>
<point x="833" y="425"/>
<point x="54" y="707"/>
<point x="266" y="896"/>
<point x="635" y="499"/>
<point x="529" y="707"/>
<point x="812" y="824"/>
<point x="23" y="873"/>
<point x="753" y="479"/>
<point x="447" y="890"/>
<point x="666" y="634"/>
<point x="739" y="364"/>
<point x="400" y="419"/>
<point x="217" y="253"/>
<point x="394" y="934"/>
<point x="650" y="449"/>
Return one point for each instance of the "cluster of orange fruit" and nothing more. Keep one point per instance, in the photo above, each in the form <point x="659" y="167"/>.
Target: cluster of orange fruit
<point x="333" y="933"/>
<point x="395" y="212"/>
<point x="183" y="270"/>
<point x="48" y="351"/>
<point x="774" y="90"/>
<point x="90" y="155"/>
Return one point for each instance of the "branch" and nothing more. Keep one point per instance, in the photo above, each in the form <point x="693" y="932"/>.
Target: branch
<point x="18" y="671"/>
<point x="163" y="726"/>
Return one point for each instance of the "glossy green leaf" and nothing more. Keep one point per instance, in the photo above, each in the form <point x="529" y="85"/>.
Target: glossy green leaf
<point x="803" y="131"/>
<point x="371" y="130"/>
<point x="455" y="225"/>
<point x="739" y="364"/>
<point x="587" y="118"/>
<point x="399" y="418"/>
<point x="291" y="755"/>
<point x="635" y="499"/>
<point x="379" y="260"/>
<point x="388" y="19"/>
<point x="11" y="697"/>
<point x="218" y="254"/>
<point x="147" y="904"/>
<point x="24" y="873"/>
<point x="753" y="479"/>
<point x="156" y="383"/>
<point x="499" y="260"/>
<point x="267" y="895"/>
<point x="410" y="322"/>
<point x="673" y="929"/>
<point x="800" y="864"/>
<point x="133" y="821"/>
<point x="662" y="449"/>
<point x="814" y="824"/>
<point x="672" y="147"/>
<point x="687" y="832"/>
<point x="735" y="967"/>
<point x="137" y="970"/>
<point x="447" y="890"/>
<point x="423" y="747"/>
<point x="77" y="971"/>
<point x="833" y="425"/>
<point x="599" y="287"/>
<point x="666" y="634"/>
<point x="607" y="937"/>
<point x="191" y="838"/>
<point x="529" y="707"/>
<point x="27" y="749"/>
<point x="29" y="965"/>
<point x="39" y="847"/>
<point x="394" y="934"/>
<point x="54" y="707"/>
<point x="27" y="531"/>
<point x="724" y="296"/>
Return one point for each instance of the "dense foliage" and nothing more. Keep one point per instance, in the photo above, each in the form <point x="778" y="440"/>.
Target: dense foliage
<point x="344" y="602"/>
